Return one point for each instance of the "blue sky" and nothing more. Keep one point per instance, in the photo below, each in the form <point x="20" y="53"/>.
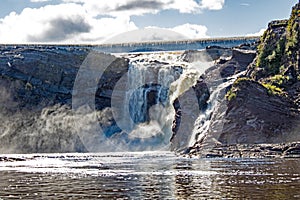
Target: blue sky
<point x="98" y="21"/>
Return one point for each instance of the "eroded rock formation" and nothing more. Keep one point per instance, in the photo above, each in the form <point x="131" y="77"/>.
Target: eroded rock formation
<point x="262" y="106"/>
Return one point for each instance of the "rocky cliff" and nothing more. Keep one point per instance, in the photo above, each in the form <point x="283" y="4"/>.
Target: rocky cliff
<point x="262" y="106"/>
<point x="36" y="90"/>
<point x="210" y="91"/>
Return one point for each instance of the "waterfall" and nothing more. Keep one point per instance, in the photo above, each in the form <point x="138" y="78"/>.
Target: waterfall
<point x="217" y="93"/>
<point x="147" y="95"/>
<point x="140" y="117"/>
<point x="148" y="86"/>
<point x="145" y="113"/>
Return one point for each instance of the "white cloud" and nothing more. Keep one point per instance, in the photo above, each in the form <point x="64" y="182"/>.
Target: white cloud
<point x="64" y="23"/>
<point x="152" y="33"/>
<point x="184" y="6"/>
<point x="106" y="27"/>
<point x="121" y="7"/>
<point x="138" y="7"/>
<point x="259" y="33"/>
<point x="192" y="31"/>
<point x="245" y="4"/>
<point x="82" y="21"/>
<point x="37" y="1"/>
<point x="212" y="4"/>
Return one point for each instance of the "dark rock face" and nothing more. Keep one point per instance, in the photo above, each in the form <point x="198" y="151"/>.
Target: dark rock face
<point x="254" y="116"/>
<point x="202" y="90"/>
<point x="37" y="86"/>
<point x="278" y="51"/>
<point x="38" y="75"/>
<point x="108" y="81"/>
<point x="261" y="113"/>
<point x="238" y="63"/>
<point x="48" y="74"/>
<point x="263" y="106"/>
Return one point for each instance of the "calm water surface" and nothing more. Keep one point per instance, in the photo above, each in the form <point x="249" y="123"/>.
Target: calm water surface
<point x="147" y="175"/>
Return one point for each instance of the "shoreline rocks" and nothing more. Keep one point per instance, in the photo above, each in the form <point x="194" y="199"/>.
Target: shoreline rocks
<point x="280" y="150"/>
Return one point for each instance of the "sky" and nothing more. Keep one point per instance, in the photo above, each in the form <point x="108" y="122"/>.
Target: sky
<point x="117" y="21"/>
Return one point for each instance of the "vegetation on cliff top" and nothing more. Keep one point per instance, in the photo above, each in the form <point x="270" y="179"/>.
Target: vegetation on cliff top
<point x="277" y="61"/>
<point x="279" y="48"/>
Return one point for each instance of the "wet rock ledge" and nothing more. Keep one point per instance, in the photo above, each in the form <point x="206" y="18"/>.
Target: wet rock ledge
<point x="284" y="150"/>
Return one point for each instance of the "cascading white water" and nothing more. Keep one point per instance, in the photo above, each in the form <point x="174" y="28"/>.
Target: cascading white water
<point x="202" y="124"/>
<point x="154" y="81"/>
<point x="147" y="96"/>
<point x="144" y="79"/>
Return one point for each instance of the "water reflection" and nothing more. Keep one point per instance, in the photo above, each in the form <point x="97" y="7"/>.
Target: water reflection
<point x="149" y="176"/>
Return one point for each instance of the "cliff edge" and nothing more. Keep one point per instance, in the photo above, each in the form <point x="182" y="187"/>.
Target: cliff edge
<point x="263" y="105"/>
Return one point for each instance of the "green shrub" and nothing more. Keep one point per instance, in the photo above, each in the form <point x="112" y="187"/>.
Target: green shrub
<point x="262" y="49"/>
<point x="281" y="69"/>
<point x="276" y="57"/>
<point x="28" y="86"/>
<point x="279" y="79"/>
<point x="292" y="33"/>
<point x="272" y="89"/>
<point x="231" y="94"/>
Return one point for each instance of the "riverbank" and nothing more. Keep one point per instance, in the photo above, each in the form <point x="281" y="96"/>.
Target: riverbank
<point x="284" y="150"/>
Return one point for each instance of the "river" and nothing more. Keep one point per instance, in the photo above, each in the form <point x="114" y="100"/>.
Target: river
<point x="146" y="175"/>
